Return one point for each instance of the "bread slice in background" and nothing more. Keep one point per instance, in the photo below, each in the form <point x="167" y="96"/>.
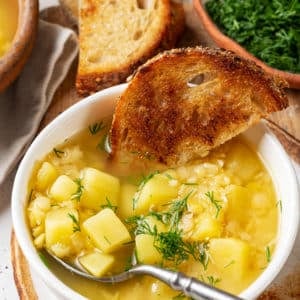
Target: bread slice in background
<point x="185" y="102"/>
<point x="117" y="36"/>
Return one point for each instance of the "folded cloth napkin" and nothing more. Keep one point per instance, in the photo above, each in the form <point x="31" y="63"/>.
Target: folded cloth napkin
<point x="23" y="105"/>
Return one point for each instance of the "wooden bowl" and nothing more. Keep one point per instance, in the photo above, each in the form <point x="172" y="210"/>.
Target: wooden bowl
<point x="224" y="41"/>
<point x="13" y="61"/>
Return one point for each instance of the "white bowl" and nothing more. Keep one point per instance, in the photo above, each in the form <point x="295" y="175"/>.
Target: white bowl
<point x="101" y="105"/>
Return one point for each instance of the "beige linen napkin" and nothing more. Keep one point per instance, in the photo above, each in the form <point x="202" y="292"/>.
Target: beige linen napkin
<point x="23" y="105"/>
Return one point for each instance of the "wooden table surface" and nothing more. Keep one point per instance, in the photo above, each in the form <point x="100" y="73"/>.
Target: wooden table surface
<point x="285" y="124"/>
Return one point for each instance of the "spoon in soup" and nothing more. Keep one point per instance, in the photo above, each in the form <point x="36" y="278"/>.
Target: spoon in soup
<point x="190" y="286"/>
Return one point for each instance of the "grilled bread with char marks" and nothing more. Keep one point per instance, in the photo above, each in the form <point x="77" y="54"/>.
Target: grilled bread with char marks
<point x="185" y="102"/>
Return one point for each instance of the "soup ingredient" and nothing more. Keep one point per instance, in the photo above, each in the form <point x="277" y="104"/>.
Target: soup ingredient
<point x="8" y="23"/>
<point x="203" y="219"/>
<point x="270" y="30"/>
<point x="106" y="231"/>
<point x="185" y="102"/>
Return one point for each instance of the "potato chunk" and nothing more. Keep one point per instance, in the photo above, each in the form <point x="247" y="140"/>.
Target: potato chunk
<point x="97" y="263"/>
<point x="156" y="191"/>
<point x="145" y="251"/>
<point x="98" y="188"/>
<point x="45" y="176"/>
<point x="106" y="231"/>
<point x="59" y="227"/>
<point x="63" y="188"/>
<point x="125" y="207"/>
<point x="206" y="227"/>
<point x="231" y="256"/>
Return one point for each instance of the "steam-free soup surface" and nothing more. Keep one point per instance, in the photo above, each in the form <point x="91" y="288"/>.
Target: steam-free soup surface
<point x="8" y="23"/>
<point x="215" y="218"/>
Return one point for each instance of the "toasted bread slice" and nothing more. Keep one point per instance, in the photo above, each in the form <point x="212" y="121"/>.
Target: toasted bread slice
<point x="70" y="9"/>
<point x="117" y="36"/>
<point x="184" y="102"/>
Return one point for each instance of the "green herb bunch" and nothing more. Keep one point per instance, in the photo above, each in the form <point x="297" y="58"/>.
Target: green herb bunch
<point x="269" y="29"/>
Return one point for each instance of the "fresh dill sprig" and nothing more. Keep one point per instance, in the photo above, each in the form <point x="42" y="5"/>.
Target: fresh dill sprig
<point x="268" y="254"/>
<point x="214" y="201"/>
<point x="114" y="208"/>
<point x="96" y="127"/>
<point x="76" y="225"/>
<point x="77" y="195"/>
<point x="108" y="241"/>
<point x="58" y="152"/>
<point x="190" y="183"/>
<point x="213" y="281"/>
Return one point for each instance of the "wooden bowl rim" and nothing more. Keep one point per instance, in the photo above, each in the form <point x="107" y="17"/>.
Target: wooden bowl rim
<point x="22" y="43"/>
<point x="224" y="41"/>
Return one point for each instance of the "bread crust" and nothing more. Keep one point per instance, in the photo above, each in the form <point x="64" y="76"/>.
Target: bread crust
<point x="162" y="116"/>
<point x="88" y="82"/>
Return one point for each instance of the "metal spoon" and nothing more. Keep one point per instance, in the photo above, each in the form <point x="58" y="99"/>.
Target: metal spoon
<point x="178" y="281"/>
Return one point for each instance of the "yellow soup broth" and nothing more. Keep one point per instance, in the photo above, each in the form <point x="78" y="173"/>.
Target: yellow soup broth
<point x="215" y="218"/>
<point x="8" y="23"/>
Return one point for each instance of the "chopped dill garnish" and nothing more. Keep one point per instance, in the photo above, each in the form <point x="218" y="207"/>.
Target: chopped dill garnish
<point x="229" y="264"/>
<point x="268" y="254"/>
<point x="108" y="241"/>
<point x="44" y="259"/>
<point x="214" y="201"/>
<point x="279" y="203"/>
<point x="77" y="195"/>
<point x="190" y="183"/>
<point x="109" y="205"/>
<point x="203" y="256"/>
<point x="58" y="152"/>
<point x="96" y="127"/>
<point x="213" y="281"/>
<point x="76" y="225"/>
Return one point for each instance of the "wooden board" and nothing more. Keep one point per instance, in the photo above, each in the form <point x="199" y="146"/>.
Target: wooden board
<point x="285" y="124"/>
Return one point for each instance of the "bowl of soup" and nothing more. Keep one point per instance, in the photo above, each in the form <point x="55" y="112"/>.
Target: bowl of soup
<point x="18" y="27"/>
<point x="230" y="219"/>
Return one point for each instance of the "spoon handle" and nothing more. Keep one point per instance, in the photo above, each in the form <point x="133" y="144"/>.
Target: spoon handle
<point x="188" y="285"/>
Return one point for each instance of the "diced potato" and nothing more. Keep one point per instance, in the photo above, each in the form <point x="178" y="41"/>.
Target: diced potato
<point x="145" y="251"/>
<point x="238" y="204"/>
<point x="231" y="256"/>
<point x="59" y="227"/>
<point x="106" y="231"/>
<point x="39" y="241"/>
<point x="242" y="161"/>
<point x="206" y="227"/>
<point x="97" y="263"/>
<point x="98" y="189"/>
<point x="157" y="191"/>
<point x="63" y="188"/>
<point x="153" y="221"/>
<point x="45" y="176"/>
<point x="125" y="207"/>
<point x="37" y="210"/>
